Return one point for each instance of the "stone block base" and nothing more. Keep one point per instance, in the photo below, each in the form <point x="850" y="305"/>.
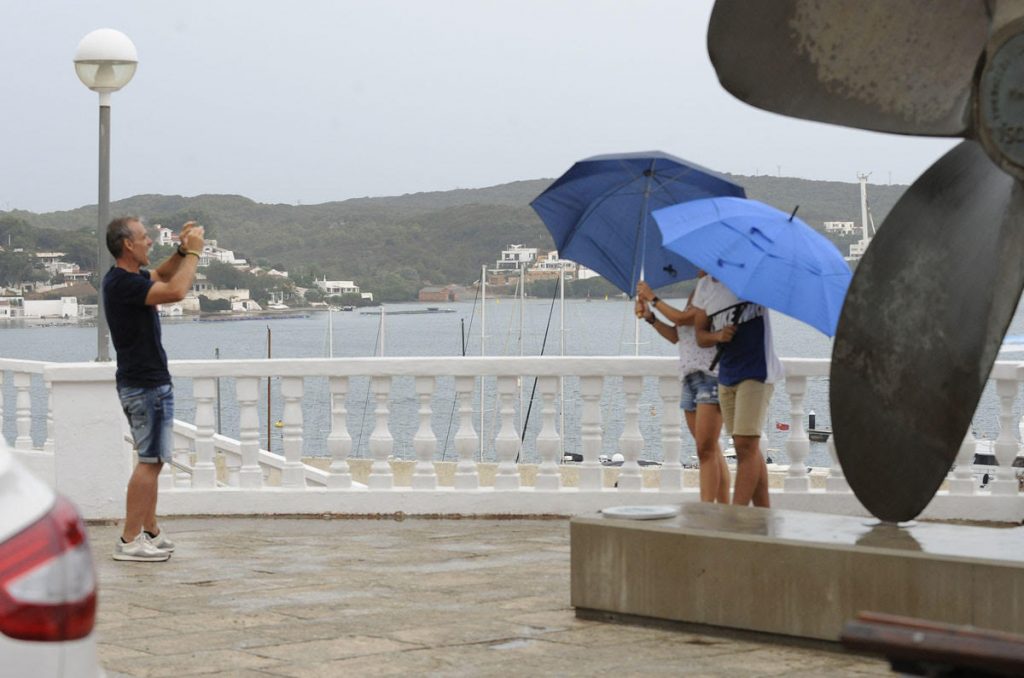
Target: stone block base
<point x="795" y="573"/>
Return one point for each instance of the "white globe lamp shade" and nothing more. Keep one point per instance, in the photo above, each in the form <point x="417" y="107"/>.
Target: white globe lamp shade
<point x="105" y="60"/>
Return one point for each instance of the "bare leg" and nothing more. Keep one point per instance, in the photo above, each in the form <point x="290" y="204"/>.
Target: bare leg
<point x="140" y="504"/>
<point x="713" y="485"/>
<point x="724" y="479"/>
<point x="751" y="472"/>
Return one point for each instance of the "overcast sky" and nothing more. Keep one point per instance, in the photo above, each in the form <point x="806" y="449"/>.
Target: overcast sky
<point x="318" y="100"/>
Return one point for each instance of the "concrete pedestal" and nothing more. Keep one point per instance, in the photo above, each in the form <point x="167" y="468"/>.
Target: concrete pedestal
<point x="795" y="573"/>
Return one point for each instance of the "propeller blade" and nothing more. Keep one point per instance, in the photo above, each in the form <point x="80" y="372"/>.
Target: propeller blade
<point x="904" y="67"/>
<point x="921" y="327"/>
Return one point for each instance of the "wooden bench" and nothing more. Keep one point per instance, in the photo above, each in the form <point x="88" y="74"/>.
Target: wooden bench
<point x="925" y="648"/>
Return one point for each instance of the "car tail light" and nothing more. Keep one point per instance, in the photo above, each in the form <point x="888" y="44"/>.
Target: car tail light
<point x="47" y="581"/>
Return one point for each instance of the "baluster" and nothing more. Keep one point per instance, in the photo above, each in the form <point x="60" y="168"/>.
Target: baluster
<point x="466" y="442"/>
<point x="381" y="443"/>
<point x="961" y="479"/>
<point x="48" y="444"/>
<point x="632" y="441"/>
<point x="165" y="480"/>
<point x="507" y="441"/>
<point x="294" y="473"/>
<point x="23" y="410"/>
<point x="590" y="474"/>
<point x="181" y="453"/>
<point x="836" y="481"/>
<point x="204" y="473"/>
<point x="425" y="442"/>
<point x="1006" y="444"/>
<point x="247" y="392"/>
<point x="671" y="478"/>
<point x="339" y="442"/>
<point x="548" y="441"/>
<point x="798" y="447"/>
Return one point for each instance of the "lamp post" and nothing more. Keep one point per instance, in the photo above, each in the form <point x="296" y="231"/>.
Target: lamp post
<point x="105" y="61"/>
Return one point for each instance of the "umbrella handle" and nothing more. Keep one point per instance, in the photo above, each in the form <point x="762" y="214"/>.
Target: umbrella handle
<point x="718" y="356"/>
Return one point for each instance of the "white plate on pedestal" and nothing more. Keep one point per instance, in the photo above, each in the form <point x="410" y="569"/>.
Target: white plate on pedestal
<point x="641" y="512"/>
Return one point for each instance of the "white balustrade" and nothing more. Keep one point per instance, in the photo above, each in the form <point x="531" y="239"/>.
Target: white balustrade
<point x="339" y="442"/>
<point x="250" y="475"/>
<point x="48" y="444"/>
<point x="798" y="447"/>
<point x="247" y="466"/>
<point x="507" y="441"/>
<point x="632" y="441"/>
<point x="424" y="442"/>
<point x="671" y="475"/>
<point x="466" y="440"/>
<point x="548" y="440"/>
<point x="591" y="472"/>
<point x="204" y="472"/>
<point x="1006" y="445"/>
<point x="293" y="474"/>
<point x="961" y="478"/>
<point x="23" y="410"/>
<point x="381" y="477"/>
<point x="836" y="481"/>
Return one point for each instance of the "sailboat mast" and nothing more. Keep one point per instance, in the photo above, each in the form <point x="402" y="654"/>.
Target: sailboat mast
<point x="483" y="348"/>
<point x="522" y="308"/>
<point x="864" y="204"/>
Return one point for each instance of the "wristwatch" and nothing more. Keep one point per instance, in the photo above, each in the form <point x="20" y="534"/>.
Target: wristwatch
<point x="181" y="252"/>
<point x="651" y="320"/>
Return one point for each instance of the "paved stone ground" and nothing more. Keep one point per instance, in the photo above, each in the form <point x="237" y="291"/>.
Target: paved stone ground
<point x="310" y="597"/>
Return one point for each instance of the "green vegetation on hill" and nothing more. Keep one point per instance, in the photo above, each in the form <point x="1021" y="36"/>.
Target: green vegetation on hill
<point x="393" y="246"/>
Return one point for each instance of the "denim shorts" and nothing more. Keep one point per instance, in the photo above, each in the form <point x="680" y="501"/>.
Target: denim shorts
<point x="699" y="388"/>
<point x="150" y="413"/>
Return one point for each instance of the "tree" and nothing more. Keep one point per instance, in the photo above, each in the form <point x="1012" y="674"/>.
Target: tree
<point x="17" y="267"/>
<point x="224" y="275"/>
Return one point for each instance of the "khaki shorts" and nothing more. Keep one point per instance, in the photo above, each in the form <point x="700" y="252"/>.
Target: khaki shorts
<point x="744" y="406"/>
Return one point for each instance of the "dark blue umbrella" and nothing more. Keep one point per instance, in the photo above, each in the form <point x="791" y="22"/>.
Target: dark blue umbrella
<point x="762" y="255"/>
<point x="599" y="214"/>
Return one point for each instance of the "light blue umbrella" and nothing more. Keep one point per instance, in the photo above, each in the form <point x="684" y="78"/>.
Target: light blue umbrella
<point x="762" y="255"/>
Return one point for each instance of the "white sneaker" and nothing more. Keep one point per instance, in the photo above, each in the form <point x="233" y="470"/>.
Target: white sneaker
<point x="161" y="541"/>
<point x="140" y="549"/>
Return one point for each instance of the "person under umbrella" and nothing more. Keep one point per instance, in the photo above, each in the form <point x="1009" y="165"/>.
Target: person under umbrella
<point x="747" y="371"/>
<point x="699" y="383"/>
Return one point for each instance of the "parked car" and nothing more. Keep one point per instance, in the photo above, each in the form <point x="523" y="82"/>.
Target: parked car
<point x="47" y="581"/>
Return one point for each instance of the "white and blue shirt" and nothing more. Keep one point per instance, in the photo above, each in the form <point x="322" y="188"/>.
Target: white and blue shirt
<point x="751" y="353"/>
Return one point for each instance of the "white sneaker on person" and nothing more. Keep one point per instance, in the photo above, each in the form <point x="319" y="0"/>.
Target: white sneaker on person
<point x="140" y="549"/>
<point x="161" y="541"/>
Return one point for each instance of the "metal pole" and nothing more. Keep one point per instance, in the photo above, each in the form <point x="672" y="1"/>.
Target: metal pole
<point x="381" y="331"/>
<point x="103" y="260"/>
<point x="561" y="352"/>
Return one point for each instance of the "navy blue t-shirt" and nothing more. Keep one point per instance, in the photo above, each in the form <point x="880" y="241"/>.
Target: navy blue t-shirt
<point x="134" y="329"/>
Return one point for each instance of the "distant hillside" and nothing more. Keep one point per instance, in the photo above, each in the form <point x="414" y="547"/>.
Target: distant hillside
<point x="395" y="245"/>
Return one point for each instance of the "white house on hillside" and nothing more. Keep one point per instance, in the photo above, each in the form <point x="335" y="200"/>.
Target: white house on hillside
<point x="515" y="258"/>
<point x="333" y="287"/>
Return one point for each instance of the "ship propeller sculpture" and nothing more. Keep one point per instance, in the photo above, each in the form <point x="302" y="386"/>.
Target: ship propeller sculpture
<point x="935" y="292"/>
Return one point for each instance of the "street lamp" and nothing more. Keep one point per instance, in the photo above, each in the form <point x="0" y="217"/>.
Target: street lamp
<point x="105" y="61"/>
